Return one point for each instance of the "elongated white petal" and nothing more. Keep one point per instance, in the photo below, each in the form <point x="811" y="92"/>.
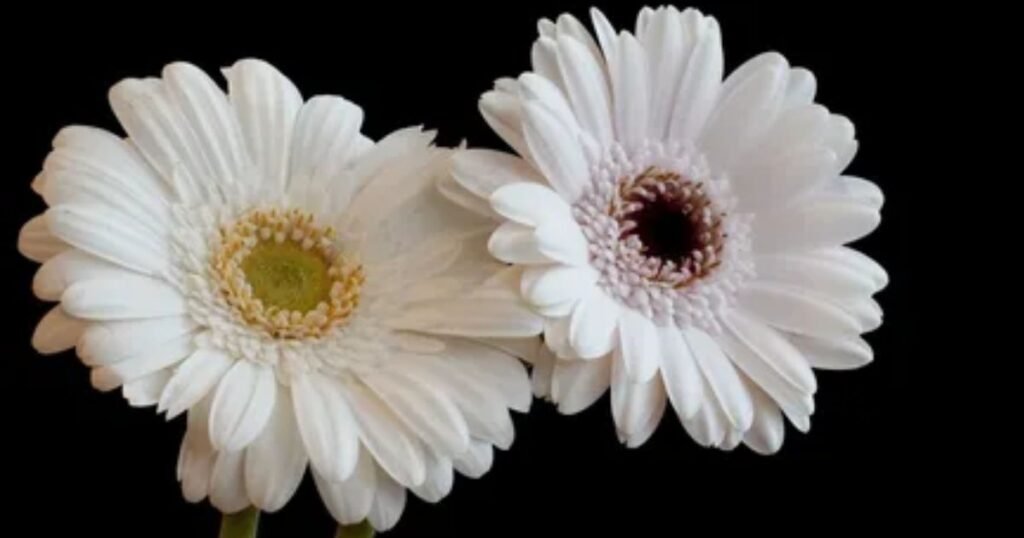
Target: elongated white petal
<point x="388" y="503"/>
<point x="699" y="85"/>
<point x="326" y="425"/>
<point x="144" y="391"/>
<point x="679" y="373"/>
<point x="638" y="345"/>
<point x="767" y="431"/>
<point x="440" y="477"/>
<point x="835" y="354"/>
<point x="426" y="410"/>
<point x="114" y="341"/>
<point x="37" y="243"/>
<point x="555" y="150"/>
<point x="774" y="351"/>
<point x="68" y="267"/>
<point x="629" y="85"/>
<point x="817" y="223"/>
<point x="227" y="482"/>
<point x="128" y="297"/>
<point x="576" y="385"/>
<point x="276" y="460"/>
<point x="636" y="407"/>
<point x="349" y="500"/>
<point x="484" y="171"/>
<point x="391" y="443"/>
<point x="798" y="312"/>
<point x="722" y="380"/>
<point x="57" y="332"/>
<point x="267" y="105"/>
<point x="108" y="236"/>
<point x="515" y="243"/>
<point x="151" y="360"/>
<point x="592" y="330"/>
<point x="587" y="88"/>
<point x="471" y="317"/>
<point x="242" y="405"/>
<point x="194" y="378"/>
<point x="476" y="461"/>
<point x="531" y="204"/>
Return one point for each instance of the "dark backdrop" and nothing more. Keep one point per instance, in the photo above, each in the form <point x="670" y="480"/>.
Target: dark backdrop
<point x="78" y="462"/>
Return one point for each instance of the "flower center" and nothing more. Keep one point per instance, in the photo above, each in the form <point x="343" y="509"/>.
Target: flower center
<point x="280" y="272"/>
<point x="668" y="226"/>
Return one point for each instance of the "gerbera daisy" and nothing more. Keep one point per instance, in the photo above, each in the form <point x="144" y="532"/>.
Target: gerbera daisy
<point x="302" y="291"/>
<point x="682" y="235"/>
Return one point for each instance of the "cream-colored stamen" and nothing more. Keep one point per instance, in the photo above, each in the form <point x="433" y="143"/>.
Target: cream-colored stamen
<point x="280" y="272"/>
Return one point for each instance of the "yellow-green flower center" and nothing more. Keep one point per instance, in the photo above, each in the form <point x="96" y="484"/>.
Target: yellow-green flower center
<point x="286" y="276"/>
<point x="280" y="272"/>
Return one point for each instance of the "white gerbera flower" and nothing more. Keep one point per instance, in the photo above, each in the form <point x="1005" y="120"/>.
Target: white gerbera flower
<point x="681" y="235"/>
<point x="296" y="287"/>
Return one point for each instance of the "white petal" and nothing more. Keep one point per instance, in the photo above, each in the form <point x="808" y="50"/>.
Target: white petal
<point x="767" y="431"/>
<point x="276" y="460"/>
<point x="638" y="345"/>
<point x="542" y="372"/>
<point x="471" y="317"/>
<point x="798" y="312"/>
<point x="816" y="273"/>
<point x="36" y="243"/>
<point x="800" y="88"/>
<point x="483" y="409"/>
<point x="775" y="353"/>
<point x="391" y="443"/>
<point x="857" y="262"/>
<point x="267" y="104"/>
<point x="484" y="171"/>
<point x="193" y="379"/>
<point x="667" y="54"/>
<point x="629" y="84"/>
<point x="556" y="336"/>
<point x="514" y="243"/>
<point x="324" y="134"/>
<point x="68" y="267"/>
<point x="604" y="30"/>
<point x="817" y="223"/>
<point x="785" y="177"/>
<point x="536" y="88"/>
<point x="57" y="332"/>
<point x="212" y="122"/>
<point x="163" y="135"/>
<point x="476" y="461"/>
<point x="423" y="408"/>
<point x="587" y="88"/>
<point x="326" y="425"/>
<point x="592" y="328"/>
<point x="844" y="354"/>
<point x="748" y="102"/>
<point x="227" y="483"/>
<point x="551" y="285"/>
<point x="699" y="85"/>
<point x="636" y="407"/>
<point x="544" y="60"/>
<point x="349" y="500"/>
<point x="562" y="241"/>
<point x="503" y="113"/>
<point x="388" y="503"/>
<point x="154" y="359"/>
<point x="555" y="150"/>
<point x="115" y="341"/>
<point x="722" y="379"/>
<point x="862" y="190"/>
<point x="494" y="367"/>
<point x="792" y="401"/>
<point x="679" y="373"/>
<point x="530" y="203"/>
<point x="145" y="391"/>
<point x="576" y="384"/>
<point x="709" y="426"/>
<point x="242" y="405"/>
<point x="440" y="477"/>
<point x="87" y="155"/>
<point x="129" y="297"/>
<point x="108" y="236"/>
<point x="195" y="462"/>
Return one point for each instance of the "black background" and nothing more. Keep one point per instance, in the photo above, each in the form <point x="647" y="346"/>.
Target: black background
<point x="77" y="462"/>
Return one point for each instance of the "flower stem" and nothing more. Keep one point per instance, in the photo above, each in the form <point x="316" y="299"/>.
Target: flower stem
<point x="359" y="530"/>
<point x="240" y="524"/>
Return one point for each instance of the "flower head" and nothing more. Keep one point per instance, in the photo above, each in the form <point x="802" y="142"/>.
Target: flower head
<point x="681" y="235"/>
<point x="303" y="292"/>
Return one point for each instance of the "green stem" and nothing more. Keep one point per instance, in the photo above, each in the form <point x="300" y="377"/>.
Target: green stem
<point x="240" y="524"/>
<point x="359" y="530"/>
